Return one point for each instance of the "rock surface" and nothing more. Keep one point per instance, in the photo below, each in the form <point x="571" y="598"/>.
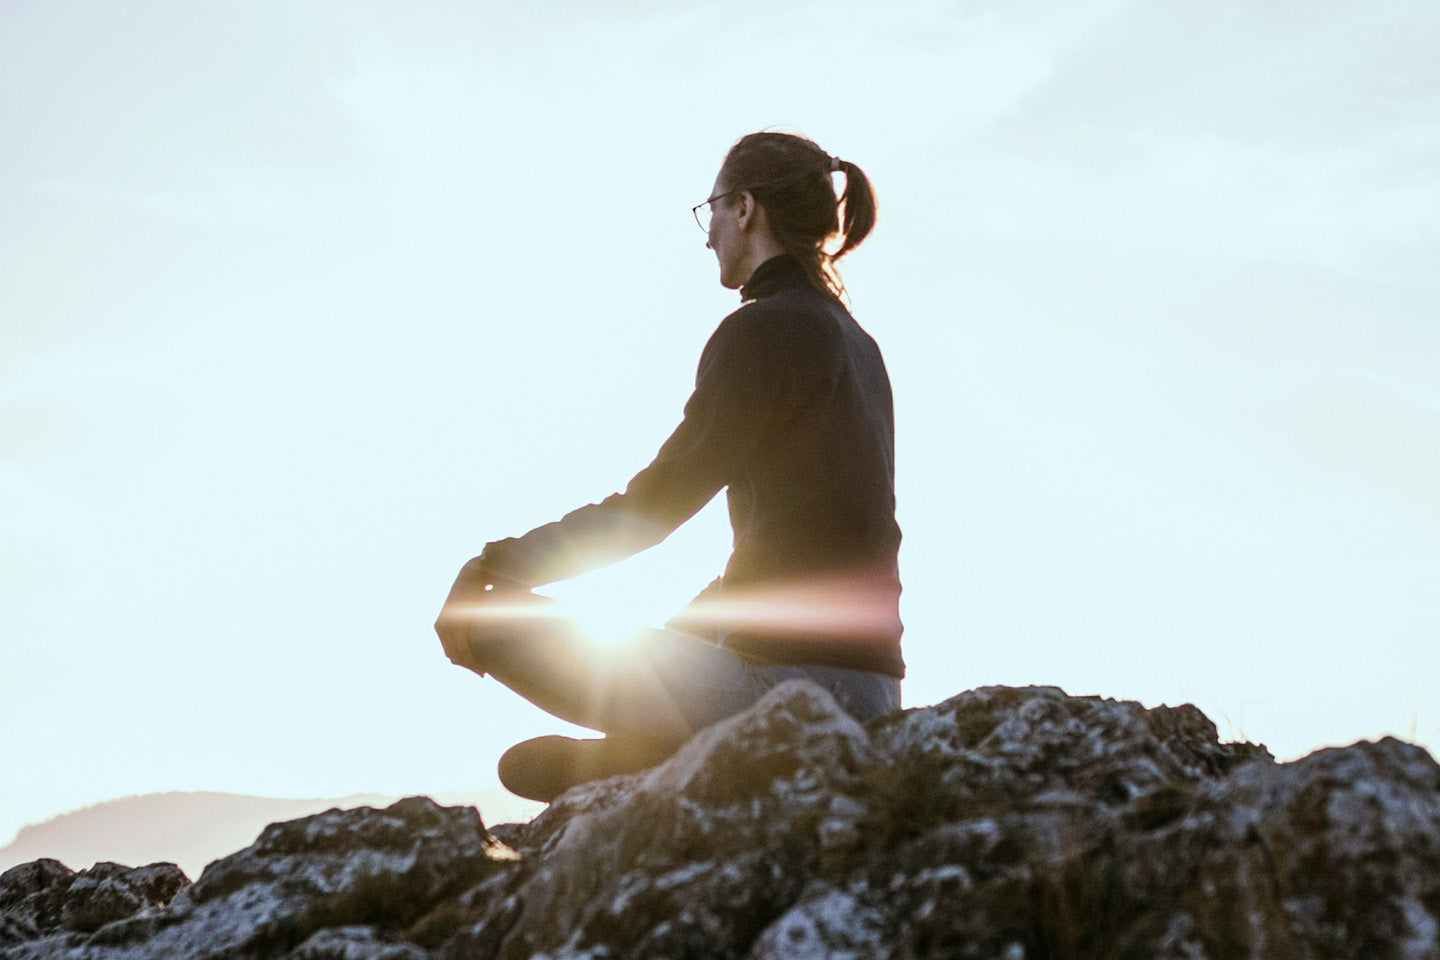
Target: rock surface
<point x="1002" y="823"/>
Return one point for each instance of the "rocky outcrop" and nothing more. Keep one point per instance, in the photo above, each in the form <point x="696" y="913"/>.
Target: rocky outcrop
<point x="47" y="897"/>
<point x="193" y="828"/>
<point x="1009" y="823"/>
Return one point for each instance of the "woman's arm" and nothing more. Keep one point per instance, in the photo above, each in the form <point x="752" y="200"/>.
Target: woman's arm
<point x="745" y="372"/>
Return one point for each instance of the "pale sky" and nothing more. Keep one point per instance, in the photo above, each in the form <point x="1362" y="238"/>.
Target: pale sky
<point x="301" y="304"/>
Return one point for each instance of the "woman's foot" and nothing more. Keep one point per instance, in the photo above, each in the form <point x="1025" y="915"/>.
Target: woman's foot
<point x="545" y="767"/>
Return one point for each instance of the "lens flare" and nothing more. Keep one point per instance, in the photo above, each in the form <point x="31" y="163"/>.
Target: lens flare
<point x="834" y="608"/>
<point x="606" y="625"/>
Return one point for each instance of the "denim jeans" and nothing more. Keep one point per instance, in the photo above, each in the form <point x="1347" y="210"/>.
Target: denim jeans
<point x="711" y="683"/>
<point x="662" y="685"/>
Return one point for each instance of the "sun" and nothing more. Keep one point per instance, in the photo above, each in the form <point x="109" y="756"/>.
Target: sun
<point x="606" y="616"/>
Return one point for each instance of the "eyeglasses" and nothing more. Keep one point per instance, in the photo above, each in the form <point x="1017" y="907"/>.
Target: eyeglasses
<point x="703" y="210"/>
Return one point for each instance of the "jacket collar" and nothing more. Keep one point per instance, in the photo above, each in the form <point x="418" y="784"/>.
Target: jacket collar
<point x="772" y="276"/>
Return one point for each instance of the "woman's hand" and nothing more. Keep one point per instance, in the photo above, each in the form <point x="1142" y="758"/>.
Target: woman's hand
<point x="474" y="586"/>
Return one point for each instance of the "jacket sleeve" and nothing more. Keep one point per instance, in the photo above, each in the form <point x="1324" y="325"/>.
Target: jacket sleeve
<point x="744" y="372"/>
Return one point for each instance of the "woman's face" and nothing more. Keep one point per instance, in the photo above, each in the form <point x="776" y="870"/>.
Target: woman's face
<point x="725" y="237"/>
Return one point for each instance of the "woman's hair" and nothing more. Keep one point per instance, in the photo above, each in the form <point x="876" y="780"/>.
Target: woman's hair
<point x="790" y="177"/>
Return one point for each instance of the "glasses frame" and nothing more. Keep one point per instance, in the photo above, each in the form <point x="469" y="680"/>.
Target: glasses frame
<point x="695" y="210"/>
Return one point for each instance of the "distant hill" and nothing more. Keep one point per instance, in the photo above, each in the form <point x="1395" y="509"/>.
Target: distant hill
<point x="191" y="829"/>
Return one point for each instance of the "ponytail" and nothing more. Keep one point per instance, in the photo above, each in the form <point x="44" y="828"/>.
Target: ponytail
<point x="858" y="206"/>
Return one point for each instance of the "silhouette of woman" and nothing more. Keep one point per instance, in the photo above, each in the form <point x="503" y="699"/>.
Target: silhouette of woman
<point x="791" y="415"/>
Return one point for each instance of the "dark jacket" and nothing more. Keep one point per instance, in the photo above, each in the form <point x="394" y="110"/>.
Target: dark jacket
<point x="792" y="414"/>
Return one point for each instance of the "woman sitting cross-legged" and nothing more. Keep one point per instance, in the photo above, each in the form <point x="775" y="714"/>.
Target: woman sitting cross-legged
<point x="792" y="416"/>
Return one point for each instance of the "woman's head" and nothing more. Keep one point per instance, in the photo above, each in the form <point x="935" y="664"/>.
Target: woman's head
<point x="790" y="177"/>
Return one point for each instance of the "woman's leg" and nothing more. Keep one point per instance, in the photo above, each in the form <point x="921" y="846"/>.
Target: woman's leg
<point x="659" y="685"/>
<point x="648" y="695"/>
<point x="860" y="693"/>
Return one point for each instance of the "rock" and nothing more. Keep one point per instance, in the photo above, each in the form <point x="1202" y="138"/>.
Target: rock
<point x="45" y="896"/>
<point x="379" y="868"/>
<point x="108" y="891"/>
<point x="1010" y="823"/>
<point x="32" y="898"/>
<point x="353" y="943"/>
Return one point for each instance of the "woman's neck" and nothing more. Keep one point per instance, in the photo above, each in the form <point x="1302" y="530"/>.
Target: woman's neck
<point x="762" y="248"/>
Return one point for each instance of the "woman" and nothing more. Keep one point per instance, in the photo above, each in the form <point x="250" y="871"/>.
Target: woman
<point x="792" y="415"/>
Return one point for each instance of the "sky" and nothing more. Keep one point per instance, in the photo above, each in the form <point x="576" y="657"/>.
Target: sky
<point x="300" y="304"/>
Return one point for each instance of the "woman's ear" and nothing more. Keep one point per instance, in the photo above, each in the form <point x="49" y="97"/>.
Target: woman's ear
<point x="745" y="216"/>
